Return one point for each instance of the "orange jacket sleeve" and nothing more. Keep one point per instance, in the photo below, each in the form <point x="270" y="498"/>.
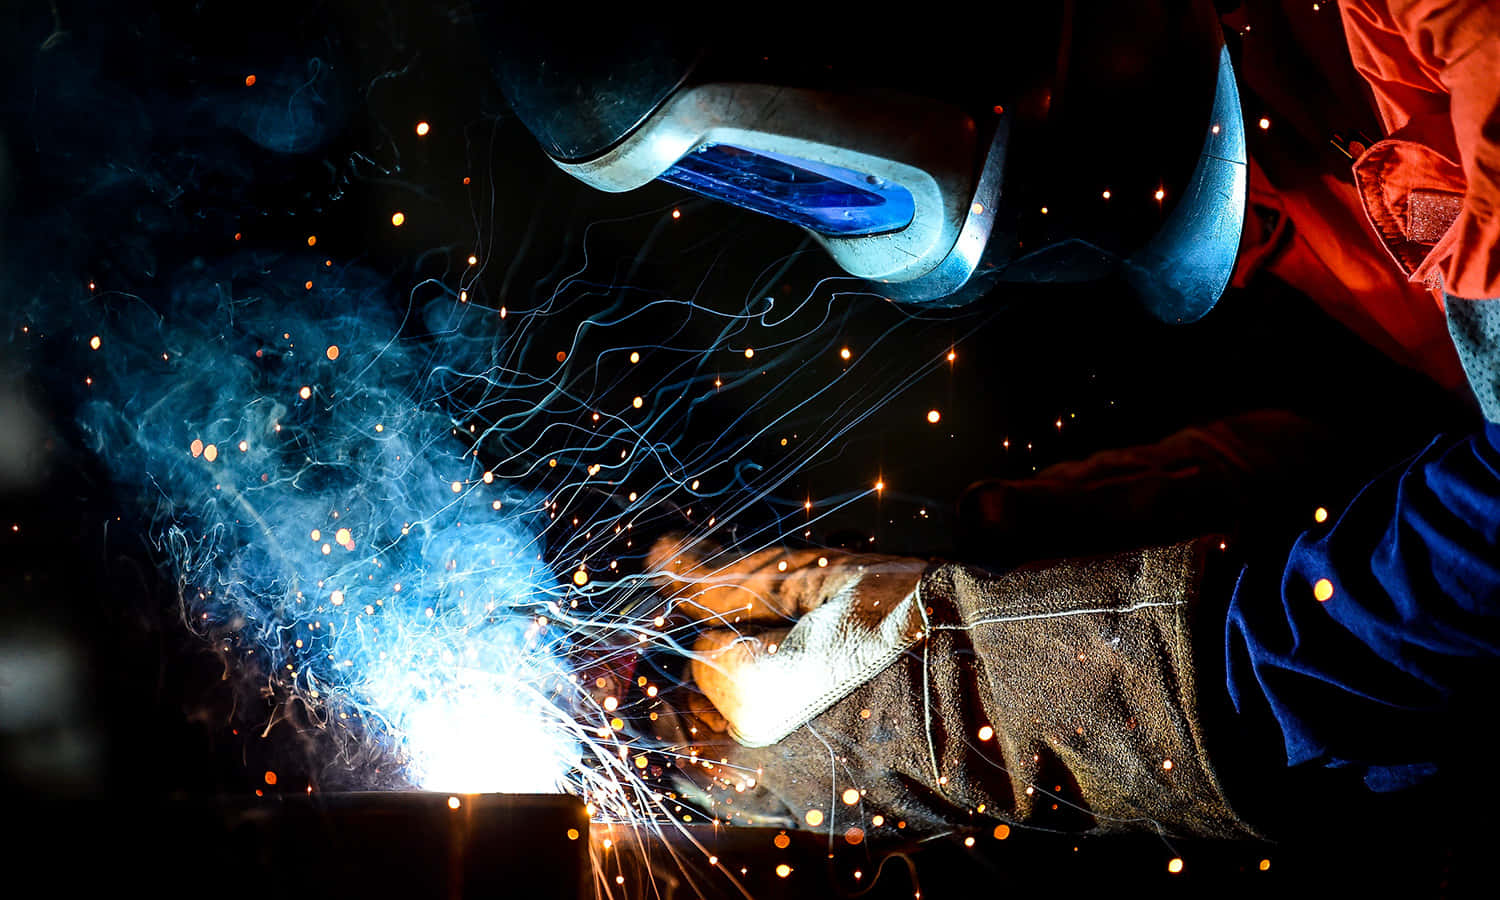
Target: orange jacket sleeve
<point x="1432" y="189"/>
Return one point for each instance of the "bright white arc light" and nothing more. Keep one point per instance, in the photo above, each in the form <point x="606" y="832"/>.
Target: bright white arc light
<point x="486" y="733"/>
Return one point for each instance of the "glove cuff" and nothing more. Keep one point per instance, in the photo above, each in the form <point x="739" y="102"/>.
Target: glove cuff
<point x="1063" y="696"/>
<point x="1085" y="671"/>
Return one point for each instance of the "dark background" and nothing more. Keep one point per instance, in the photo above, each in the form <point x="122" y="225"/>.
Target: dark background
<point x="116" y="165"/>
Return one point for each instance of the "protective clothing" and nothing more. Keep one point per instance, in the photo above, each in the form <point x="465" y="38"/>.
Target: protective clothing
<point x="1205" y="479"/>
<point x="932" y="172"/>
<point x="1062" y="695"/>
<point x="1332" y="232"/>
<point x="1359" y="650"/>
<point x="1432" y="187"/>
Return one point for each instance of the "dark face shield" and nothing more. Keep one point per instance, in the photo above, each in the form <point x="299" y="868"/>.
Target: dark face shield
<point x="1061" y="145"/>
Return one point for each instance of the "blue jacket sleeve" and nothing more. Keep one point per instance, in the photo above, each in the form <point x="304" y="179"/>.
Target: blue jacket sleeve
<point x="1406" y="647"/>
<point x="1382" y="650"/>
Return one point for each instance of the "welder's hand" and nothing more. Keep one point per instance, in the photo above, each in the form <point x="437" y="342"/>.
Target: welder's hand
<point x="797" y="630"/>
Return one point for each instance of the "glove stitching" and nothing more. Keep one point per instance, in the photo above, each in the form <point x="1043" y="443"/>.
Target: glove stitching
<point x="1134" y="607"/>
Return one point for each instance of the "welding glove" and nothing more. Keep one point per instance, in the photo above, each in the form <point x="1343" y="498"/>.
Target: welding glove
<point x="1217" y="477"/>
<point x="874" y="692"/>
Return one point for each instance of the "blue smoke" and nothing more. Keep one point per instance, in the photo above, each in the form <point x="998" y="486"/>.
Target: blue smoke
<point x="327" y="527"/>
<point x="272" y="418"/>
<point x="298" y="106"/>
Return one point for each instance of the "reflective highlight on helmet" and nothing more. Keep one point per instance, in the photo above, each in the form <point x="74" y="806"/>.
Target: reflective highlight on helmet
<point x="825" y="198"/>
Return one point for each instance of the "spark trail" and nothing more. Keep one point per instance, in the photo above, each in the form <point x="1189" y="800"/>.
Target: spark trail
<point x="412" y="510"/>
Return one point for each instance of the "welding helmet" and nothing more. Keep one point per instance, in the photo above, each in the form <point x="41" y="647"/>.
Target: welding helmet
<point x="1055" y="142"/>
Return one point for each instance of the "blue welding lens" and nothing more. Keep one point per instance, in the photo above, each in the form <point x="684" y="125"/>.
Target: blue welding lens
<point x="827" y="199"/>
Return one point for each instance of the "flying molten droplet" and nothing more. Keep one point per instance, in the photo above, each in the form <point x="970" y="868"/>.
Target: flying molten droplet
<point x="397" y="219"/>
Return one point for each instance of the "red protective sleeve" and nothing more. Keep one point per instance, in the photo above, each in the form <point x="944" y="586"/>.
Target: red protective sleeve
<point x="1434" y="69"/>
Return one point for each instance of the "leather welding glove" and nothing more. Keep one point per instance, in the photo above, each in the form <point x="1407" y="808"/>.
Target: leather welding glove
<point x="1217" y="477"/>
<point x="873" y="692"/>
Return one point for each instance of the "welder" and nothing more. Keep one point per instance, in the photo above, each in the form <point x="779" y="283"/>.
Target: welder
<point x="1167" y="688"/>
